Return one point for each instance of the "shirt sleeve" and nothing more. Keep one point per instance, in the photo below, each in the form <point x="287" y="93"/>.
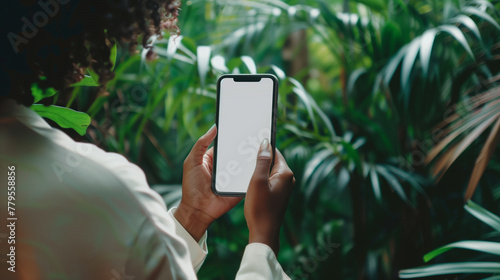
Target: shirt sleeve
<point x="259" y="262"/>
<point x="110" y="214"/>
<point x="197" y="250"/>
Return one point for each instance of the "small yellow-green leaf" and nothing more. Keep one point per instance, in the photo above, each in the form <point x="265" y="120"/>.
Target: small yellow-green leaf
<point x="112" y="56"/>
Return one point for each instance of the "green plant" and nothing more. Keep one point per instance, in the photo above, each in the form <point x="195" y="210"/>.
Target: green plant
<point x="64" y="116"/>
<point x="362" y="86"/>
<point x="485" y="247"/>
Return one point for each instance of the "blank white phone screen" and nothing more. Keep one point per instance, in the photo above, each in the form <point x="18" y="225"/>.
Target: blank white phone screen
<point x="245" y="119"/>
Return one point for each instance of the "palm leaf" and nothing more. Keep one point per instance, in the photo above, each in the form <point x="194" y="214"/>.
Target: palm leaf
<point x="203" y="59"/>
<point x="393" y="183"/>
<point x="408" y="63"/>
<point x="481" y="246"/>
<point x="483" y="159"/>
<point x="451" y="268"/>
<point x="485" y="16"/>
<point x="313" y="164"/>
<point x="463" y="267"/>
<point x="463" y="130"/>
<point x="469" y="23"/>
<point x="484" y="215"/>
<point x="458" y="35"/>
<point x="426" y="44"/>
<point x="375" y="184"/>
<point x="250" y="64"/>
<point x="452" y="154"/>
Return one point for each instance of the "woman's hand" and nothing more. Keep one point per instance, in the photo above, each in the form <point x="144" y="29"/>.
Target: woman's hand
<point x="267" y="197"/>
<point x="199" y="206"/>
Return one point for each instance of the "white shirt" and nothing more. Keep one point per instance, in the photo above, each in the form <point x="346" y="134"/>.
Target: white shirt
<point x="83" y="213"/>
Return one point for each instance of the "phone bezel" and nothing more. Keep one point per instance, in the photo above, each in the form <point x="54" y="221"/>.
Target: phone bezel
<point x="244" y="78"/>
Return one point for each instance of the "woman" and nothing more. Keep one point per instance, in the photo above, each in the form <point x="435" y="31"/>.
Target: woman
<point x="78" y="212"/>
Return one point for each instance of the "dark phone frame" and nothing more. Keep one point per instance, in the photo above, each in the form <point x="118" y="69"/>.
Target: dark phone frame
<point x="244" y="78"/>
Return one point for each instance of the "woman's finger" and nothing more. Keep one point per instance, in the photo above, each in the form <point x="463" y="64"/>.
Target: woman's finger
<point x="200" y="147"/>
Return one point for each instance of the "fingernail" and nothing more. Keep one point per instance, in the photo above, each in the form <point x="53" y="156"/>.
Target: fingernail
<point x="264" y="146"/>
<point x="212" y="127"/>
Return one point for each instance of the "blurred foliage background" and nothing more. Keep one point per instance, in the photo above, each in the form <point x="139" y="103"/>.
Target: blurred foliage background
<point x="389" y="117"/>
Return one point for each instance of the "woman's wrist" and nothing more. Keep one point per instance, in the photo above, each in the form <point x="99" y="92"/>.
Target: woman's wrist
<point x="194" y="221"/>
<point x="270" y="240"/>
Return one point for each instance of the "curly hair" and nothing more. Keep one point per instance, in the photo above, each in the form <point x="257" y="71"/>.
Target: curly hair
<point x="52" y="42"/>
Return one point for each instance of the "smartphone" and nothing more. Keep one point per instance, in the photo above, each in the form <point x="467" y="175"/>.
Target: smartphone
<point x="245" y="115"/>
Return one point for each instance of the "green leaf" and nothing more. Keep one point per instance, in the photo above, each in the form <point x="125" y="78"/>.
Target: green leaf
<point x="250" y="64"/>
<point x="377" y="5"/>
<point x="393" y="64"/>
<point x="64" y="117"/>
<point x="171" y="108"/>
<point x="326" y="120"/>
<point x="323" y="170"/>
<point x="93" y="75"/>
<point x="112" y="56"/>
<point x="408" y="63"/>
<point x="40" y="94"/>
<point x="314" y="162"/>
<point x="188" y="46"/>
<point x="481" y="246"/>
<point x="331" y="20"/>
<point x="172" y="46"/>
<point x="458" y="35"/>
<point x="484" y="4"/>
<point x="485" y="16"/>
<point x="426" y="44"/>
<point x="484" y="215"/>
<point x="353" y="155"/>
<point x="342" y="180"/>
<point x="353" y="78"/>
<point x="279" y="72"/>
<point x="451" y="268"/>
<point x="407" y="177"/>
<point x="218" y="62"/>
<point x="391" y="37"/>
<point x="203" y="59"/>
<point x="302" y="94"/>
<point x="469" y="23"/>
<point x="393" y="182"/>
<point x="375" y="184"/>
<point x="97" y="105"/>
<point x="298" y="132"/>
<point x="86" y="81"/>
<point x="234" y="63"/>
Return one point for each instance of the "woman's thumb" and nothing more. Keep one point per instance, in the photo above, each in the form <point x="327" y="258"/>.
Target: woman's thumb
<point x="200" y="147"/>
<point x="264" y="158"/>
